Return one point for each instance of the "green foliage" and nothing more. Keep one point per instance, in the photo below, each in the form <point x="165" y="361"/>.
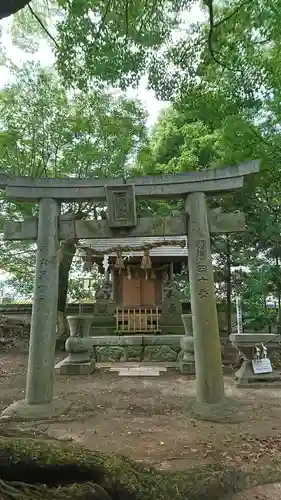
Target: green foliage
<point x="205" y="129"/>
<point x="114" y="41"/>
<point x="258" y="285"/>
<point x="223" y="76"/>
<point x="25" y="30"/>
<point x="48" y="131"/>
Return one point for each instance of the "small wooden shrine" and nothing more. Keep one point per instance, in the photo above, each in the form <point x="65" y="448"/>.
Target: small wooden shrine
<point x="138" y="274"/>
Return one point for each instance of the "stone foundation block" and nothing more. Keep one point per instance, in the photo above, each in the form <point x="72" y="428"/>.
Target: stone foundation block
<point x="67" y="367"/>
<point x="186" y="368"/>
<point x="245" y="377"/>
<point x="22" y="411"/>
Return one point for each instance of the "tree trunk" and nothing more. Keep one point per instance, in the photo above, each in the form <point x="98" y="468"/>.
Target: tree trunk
<point x="228" y="286"/>
<point x="67" y="252"/>
<point x="9" y="7"/>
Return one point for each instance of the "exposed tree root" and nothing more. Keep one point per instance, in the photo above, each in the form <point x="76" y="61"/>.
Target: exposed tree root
<point x="17" y="490"/>
<point x="37" y="470"/>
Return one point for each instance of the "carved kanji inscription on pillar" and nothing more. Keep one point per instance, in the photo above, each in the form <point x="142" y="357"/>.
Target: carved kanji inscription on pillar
<point x="200" y="250"/>
<point x="201" y="269"/>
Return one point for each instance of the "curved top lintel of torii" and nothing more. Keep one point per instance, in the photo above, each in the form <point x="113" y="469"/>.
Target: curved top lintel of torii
<point x="166" y="186"/>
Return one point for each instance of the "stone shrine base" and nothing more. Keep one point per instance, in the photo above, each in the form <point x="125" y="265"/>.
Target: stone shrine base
<point x="186" y="368"/>
<point x="22" y="411"/>
<point x="229" y="411"/>
<point x="69" y="367"/>
<point x="245" y="377"/>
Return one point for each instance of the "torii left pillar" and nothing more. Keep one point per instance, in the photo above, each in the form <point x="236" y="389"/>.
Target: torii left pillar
<point x="39" y="402"/>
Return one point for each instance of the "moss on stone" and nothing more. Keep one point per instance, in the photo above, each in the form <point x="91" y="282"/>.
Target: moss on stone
<point x="160" y="353"/>
<point x="131" y="353"/>
<point x="97" y="476"/>
<point x="109" y="353"/>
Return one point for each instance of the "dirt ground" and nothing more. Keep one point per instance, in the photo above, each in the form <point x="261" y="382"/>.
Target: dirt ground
<point x="147" y="419"/>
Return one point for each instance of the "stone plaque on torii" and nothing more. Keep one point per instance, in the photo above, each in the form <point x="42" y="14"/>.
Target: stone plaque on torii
<point x="197" y="222"/>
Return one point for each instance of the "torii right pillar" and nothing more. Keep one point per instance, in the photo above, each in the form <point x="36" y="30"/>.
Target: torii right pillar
<point x="211" y="403"/>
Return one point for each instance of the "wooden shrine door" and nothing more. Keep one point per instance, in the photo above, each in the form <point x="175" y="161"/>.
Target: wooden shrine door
<point x="138" y="293"/>
<point x="131" y="293"/>
<point x="147" y="293"/>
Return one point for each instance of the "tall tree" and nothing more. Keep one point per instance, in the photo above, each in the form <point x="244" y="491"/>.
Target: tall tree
<point x="118" y="41"/>
<point x="46" y="131"/>
<point x="205" y="129"/>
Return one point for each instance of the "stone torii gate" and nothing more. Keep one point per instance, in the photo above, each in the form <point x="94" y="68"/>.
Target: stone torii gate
<point x="197" y="222"/>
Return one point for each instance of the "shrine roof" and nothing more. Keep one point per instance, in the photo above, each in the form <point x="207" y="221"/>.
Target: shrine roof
<point x="169" y="250"/>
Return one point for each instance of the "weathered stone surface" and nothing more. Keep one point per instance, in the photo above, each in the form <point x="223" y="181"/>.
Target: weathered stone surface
<point x="146" y="226"/>
<point x="22" y="410"/>
<point x="40" y="376"/>
<point x="248" y="168"/>
<point x="121" y="205"/>
<point x="171" y="312"/>
<point x="187" y="361"/>
<point x="161" y="353"/>
<point x="245" y="377"/>
<point x="170" y="191"/>
<point x="226" y="222"/>
<point x="227" y="411"/>
<point x="187" y="323"/>
<point x="84" y="229"/>
<point x="174" y="185"/>
<point x="230" y="353"/>
<point x="209" y="374"/>
<point x="109" y="353"/>
<point x="79" y="344"/>
<point x="150" y="353"/>
<point x="139" y="371"/>
<point x="186" y="367"/>
<point x="68" y="367"/>
<point x="172" y="329"/>
<point x="133" y="352"/>
<point x="245" y="342"/>
<point x="80" y="325"/>
<point x="104" y="310"/>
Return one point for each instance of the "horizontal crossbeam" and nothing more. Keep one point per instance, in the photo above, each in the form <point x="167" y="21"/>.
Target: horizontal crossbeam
<point x="157" y="187"/>
<point x="146" y="226"/>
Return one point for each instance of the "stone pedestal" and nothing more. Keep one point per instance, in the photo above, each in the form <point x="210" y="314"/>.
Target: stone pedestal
<point x="79" y="360"/>
<point x="38" y="401"/>
<point x="245" y="377"/>
<point x="22" y="411"/>
<point x="187" y="367"/>
<point x="245" y="342"/>
<point x="187" y="362"/>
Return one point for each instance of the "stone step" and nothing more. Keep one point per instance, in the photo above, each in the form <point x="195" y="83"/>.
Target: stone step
<point x="144" y="371"/>
<point x="139" y="366"/>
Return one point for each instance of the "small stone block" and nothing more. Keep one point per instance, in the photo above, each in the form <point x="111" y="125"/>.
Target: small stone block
<point x="139" y="372"/>
<point x="161" y="369"/>
<point x="65" y="367"/>
<point x="118" y="368"/>
<point x="124" y="367"/>
<point x="22" y="411"/>
<point x="187" y="368"/>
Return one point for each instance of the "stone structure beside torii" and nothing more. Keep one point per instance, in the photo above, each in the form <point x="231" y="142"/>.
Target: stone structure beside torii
<point x="196" y="222"/>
